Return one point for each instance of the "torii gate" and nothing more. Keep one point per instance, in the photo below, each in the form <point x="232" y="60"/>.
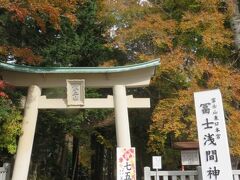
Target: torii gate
<point x="75" y="79"/>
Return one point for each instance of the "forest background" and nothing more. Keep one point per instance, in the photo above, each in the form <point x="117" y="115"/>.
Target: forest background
<point x="196" y="40"/>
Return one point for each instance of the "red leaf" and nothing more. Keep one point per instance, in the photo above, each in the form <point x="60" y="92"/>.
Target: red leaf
<point x="2" y="84"/>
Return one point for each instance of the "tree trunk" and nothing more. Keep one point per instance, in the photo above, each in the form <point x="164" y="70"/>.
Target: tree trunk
<point x="236" y="9"/>
<point x="64" y="153"/>
<point x="97" y="159"/>
<point x="235" y="162"/>
<point x="75" y="159"/>
<point x="110" y="167"/>
<point x="94" y="156"/>
<point x="35" y="169"/>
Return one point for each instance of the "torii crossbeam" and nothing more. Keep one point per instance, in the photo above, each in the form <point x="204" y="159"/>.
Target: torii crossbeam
<point x="76" y="79"/>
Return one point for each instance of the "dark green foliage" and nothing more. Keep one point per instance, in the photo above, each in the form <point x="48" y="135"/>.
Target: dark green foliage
<point x="173" y="81"/>
<point x="175" y="8"/>
<point x="79" y="45"/>
<point x="47" y="145"/>
<point x="10" y="126"/>
<point x="190" y="40"/>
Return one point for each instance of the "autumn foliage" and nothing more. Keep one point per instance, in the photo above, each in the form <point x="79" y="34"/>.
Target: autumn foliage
<point x="196" y="62"/>
<point x="194" y="41"/>
<point x="40" y="19"/>
<point x="41" y="11"/>
<point x="2" y="86"/>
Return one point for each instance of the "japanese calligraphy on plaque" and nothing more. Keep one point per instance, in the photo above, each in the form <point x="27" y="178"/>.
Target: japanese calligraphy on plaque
<point x="75" y="92"/>
<point x="126" y="164"/>
<point x="212" y="136"/>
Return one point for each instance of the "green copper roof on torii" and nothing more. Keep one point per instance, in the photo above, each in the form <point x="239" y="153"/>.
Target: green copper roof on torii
<point x="57" y="70"/>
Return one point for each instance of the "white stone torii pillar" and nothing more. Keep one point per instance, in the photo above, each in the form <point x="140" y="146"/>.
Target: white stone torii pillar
<point x="118" y="78"/>
<point x="25" y="143"/>
<point x="121" y="116"/>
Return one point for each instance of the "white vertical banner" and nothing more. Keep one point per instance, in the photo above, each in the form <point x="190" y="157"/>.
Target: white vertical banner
<point x="212" y="136"/>
<point x="126" y="163"/>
